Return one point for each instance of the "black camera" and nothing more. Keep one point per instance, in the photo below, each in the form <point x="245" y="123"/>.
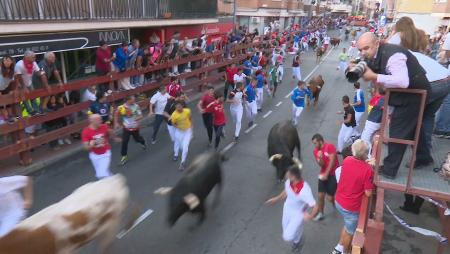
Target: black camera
<point x="357" y="71"/>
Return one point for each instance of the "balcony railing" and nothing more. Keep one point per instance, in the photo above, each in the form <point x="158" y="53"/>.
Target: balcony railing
<point x="31" y="10"/>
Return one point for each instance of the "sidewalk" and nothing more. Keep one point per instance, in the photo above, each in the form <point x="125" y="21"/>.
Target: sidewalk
<point x="44" y="156"/>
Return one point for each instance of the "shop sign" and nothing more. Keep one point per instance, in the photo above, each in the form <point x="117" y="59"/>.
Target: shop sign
<point x="16" y="45"/>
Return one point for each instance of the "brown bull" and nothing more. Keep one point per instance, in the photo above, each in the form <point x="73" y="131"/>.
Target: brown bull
<point x="335" y="41"/>
<point x="319" y="53"/>
<point x="315" y="85"/>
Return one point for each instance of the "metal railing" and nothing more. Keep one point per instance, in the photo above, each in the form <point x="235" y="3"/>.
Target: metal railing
<point x="31" y="10"/>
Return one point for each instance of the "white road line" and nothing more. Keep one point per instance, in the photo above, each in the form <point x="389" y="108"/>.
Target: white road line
<point x="279" y="103"/>
<point x="267" y="114"/>
<point x="251" y="128"/>
<point x="139" y="220"/>
<point x="313" y="70"/>
<point x="228" y="147"/>
<point x="287" y="95"/>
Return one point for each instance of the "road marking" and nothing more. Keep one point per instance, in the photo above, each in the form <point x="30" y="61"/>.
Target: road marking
<point x="313" y="70"/>
<point x="267" y="114"/>
<point x="251" y="128"/>
<point x="228" y="147"/>
<point x="279" y="103"/>
<point x="287" y="95"/>
<point x="139" y="220"/>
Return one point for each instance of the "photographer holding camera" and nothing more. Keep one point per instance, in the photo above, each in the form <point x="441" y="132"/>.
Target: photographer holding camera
<point x="393" y="66"/>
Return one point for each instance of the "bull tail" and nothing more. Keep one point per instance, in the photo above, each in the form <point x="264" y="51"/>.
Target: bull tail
<point x="299" y="151"/>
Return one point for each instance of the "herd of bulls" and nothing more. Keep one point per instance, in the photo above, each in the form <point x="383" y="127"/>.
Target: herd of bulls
<point x="93" y="211"/>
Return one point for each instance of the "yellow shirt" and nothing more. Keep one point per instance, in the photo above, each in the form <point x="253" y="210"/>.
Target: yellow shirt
<point x="182" y="120"/>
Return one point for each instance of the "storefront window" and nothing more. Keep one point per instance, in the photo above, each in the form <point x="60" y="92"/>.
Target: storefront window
<point x="79" y="63"/>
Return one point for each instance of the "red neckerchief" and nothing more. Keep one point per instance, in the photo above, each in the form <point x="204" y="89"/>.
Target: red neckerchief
<point x="29" y="67"/>
<point x="298" y="187"/>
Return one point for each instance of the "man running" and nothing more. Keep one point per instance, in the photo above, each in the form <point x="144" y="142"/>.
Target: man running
<point x="299" y="198"/>
<point x="343" y="58"/>
<point x="347" y="126"/>
<point x="250" y="98"/>
<point x="181" y="119"/>
<point x="236" y="108"/>
<point x="156" y="108"/>
<point x="218" y="111"/>
<point x="95" y="139"/>
<point x="326" y="158"/>
<point x="128" y="116"/>
<point x="259" y="89"/>
<point x="298" y="100"/>
<point x="274" y="75"/>
<point x="230" y="71"/>
<point x="296" y="72"/>
<point x="207" y="116"/>
<point x="359" y="106"/>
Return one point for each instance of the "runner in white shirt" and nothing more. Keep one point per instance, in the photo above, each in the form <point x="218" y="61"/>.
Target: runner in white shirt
<point x="12" y="205"/>
<point x="236" y="108"/>
<point x="239" y="77"/>
<point x="157" y="104"/>
<point x="299" y="198"/>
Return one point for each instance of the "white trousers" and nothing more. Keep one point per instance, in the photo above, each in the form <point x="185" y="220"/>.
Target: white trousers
<point x="296" y="73"/>
<point x="343" y="66"/>
<point x="259" y="97"/>
<point x="358" y="116"/>
<point x="296" y="111"/>
<point x="9" y="219"/>
<point x="124" y="83"/>
<point x="171" y="130"/>
<point x="281" y="71"/>
<point x="292" y="224"/>
<point x="369" y="129"/>
<point x="182" y="140"/>
<point x="306" y="46"/>
<point x="236" y="115"/>
<point x="344" y="136"/>
<point x="252" y="110"/>
<point x="101" y="163"/>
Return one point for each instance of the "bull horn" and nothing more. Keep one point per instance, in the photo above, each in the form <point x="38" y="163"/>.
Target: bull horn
<point x="275" y="157"/>
<point x="297" y="162"/>
<point x="191" y="200"/>
<point x="163" y="191"/>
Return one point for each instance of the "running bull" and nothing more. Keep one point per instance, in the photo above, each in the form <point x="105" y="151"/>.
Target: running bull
<point x="92" y="211"/>
<point x="190" y="193"/>
<point x="282" y="141"/>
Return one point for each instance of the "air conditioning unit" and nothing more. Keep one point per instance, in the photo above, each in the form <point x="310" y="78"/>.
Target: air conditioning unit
<point x="255" y="20"/>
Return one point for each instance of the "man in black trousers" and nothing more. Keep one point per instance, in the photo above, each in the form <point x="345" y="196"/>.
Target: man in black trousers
<point x="393" y="66"/>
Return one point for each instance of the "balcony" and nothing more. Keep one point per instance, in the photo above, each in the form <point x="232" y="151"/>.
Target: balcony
<point x="441" y="9"/>
<point x="295" y="5"/>
<point x="48" y="10"/>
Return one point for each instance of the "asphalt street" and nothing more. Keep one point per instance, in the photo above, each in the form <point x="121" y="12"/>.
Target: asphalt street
<point x="241" y="223"/>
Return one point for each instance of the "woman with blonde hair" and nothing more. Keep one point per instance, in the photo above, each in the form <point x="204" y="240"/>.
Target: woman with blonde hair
<point x="405" y="33"/>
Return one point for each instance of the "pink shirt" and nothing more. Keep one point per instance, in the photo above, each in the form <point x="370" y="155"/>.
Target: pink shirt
<point x="397" y="72"/>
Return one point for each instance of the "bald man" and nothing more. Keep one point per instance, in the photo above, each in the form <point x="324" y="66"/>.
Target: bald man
<point x="393" y="66"/>
<point x="95" y="139"/>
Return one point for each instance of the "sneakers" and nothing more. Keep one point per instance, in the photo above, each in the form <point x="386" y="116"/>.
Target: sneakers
<point x="419" y="164"/>
<point x="336" y="252"/>
<point x="60" y="142"/>
<point x="236" y="139"/>
<point x="319" y="217"/>
<point x="182" y="167"/>
<point x="67" y="141"/>
<point x="153" y="142"/>
<point x="175" y="158"/>
<point x="144" y="146"/>
<point x="124" y="160"/>
<point x="250" y="124"/>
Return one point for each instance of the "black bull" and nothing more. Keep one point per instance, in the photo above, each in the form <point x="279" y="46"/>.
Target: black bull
<point x="190" y="192"/>
<point x="282" y="141"/>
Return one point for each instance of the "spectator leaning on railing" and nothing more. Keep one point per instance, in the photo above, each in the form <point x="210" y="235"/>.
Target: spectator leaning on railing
<point x="120" y="64"/>
<point x="24" y="71"/>
<point x="47" y="72"/>
<point x="103" y="59"/>
<point x="6" y="86"/>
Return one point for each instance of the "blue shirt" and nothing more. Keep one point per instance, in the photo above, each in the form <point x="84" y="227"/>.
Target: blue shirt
<point x="100" y="108"/>
<point x="255" y="60"/>
<point x="362" y="107"/>
<point x="121" y="59"/>
<point x="250" y="93"/>
<point x="376" y="113"/>
<point x="247" y="64"/>
<point x="296" y="38"/>
<point x="260" y="83"/>
<point x="298" y="96"/>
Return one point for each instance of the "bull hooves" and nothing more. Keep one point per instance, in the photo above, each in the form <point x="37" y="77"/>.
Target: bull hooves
<point x="192" y="201"/>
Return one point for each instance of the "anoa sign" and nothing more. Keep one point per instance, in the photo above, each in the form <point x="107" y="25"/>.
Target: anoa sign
<point x="16" y="45"/>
